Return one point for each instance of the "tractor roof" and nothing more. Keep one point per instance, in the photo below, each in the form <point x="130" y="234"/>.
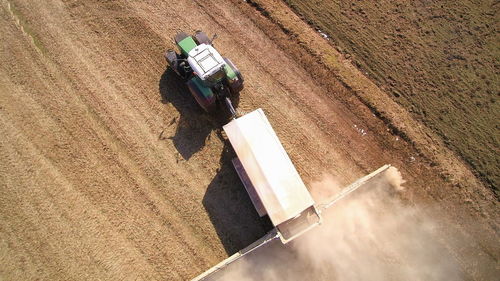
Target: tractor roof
<point x="205" y="61"/>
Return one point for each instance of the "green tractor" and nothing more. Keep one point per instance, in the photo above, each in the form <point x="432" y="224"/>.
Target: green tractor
<point x="211" y="78"/>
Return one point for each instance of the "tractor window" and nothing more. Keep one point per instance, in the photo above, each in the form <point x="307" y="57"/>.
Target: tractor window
<point x="217" y="76"/>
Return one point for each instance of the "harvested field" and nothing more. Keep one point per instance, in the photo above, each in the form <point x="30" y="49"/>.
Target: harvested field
<point x="109" y="170"/>
<point x="438" y="60"/>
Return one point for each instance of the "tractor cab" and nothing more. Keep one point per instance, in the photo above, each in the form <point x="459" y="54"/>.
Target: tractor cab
<point x="207" y="64"/>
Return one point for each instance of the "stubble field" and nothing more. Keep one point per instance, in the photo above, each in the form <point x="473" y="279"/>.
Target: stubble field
<point x="109" y="170"/>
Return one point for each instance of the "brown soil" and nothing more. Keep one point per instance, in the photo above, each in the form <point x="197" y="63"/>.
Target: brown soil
<point x="438" y="60"/>
<point x="108" y="169"/>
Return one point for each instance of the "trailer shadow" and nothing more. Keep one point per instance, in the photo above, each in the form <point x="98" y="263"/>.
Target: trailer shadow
<point x="229" y="207"/>
<point x="230" y="210"/>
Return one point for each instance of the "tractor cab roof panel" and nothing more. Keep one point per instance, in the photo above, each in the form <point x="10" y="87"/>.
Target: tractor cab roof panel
<point x="205" y="61"/>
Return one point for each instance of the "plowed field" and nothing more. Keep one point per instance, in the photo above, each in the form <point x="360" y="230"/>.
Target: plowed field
<point x="109" y="170"/>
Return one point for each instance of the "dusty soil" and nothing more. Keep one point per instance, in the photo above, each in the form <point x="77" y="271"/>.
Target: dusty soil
<point x="109" y="170"/>
<point x="438" y="60"/>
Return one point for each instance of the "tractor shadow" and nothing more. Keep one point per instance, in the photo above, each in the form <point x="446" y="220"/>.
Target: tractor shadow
<point x="194" y="125"/>
<point x="226" y="201"/>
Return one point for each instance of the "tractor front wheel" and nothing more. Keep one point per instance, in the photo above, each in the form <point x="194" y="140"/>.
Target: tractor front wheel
<point x="201" y="38"/>
<point x="177" y="64"/>
<point x="203" y="95"/>
<point x="171" y="57"/>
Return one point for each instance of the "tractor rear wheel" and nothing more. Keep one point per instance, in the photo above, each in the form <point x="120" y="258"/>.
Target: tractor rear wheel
<point x="203" y="96"/>
<point x="235" y="86"/>
<point x="201" y="38"/>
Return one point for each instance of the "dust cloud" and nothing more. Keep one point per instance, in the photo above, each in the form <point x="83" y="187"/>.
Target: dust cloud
<point x="370" y="235"/>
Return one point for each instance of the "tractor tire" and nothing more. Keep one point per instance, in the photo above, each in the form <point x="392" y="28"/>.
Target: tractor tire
<point x="236" y="86"/>
<point x="177" y="65"/>
<point x="201" y="37"/>
<point x="171" y="57"/>
<point x="180" y="36"/>
<point x="208" y="103"/>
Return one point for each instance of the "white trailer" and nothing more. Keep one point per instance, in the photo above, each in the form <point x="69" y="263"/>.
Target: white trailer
<point x="270" y="178"/>
<point x="273" y="183"/>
